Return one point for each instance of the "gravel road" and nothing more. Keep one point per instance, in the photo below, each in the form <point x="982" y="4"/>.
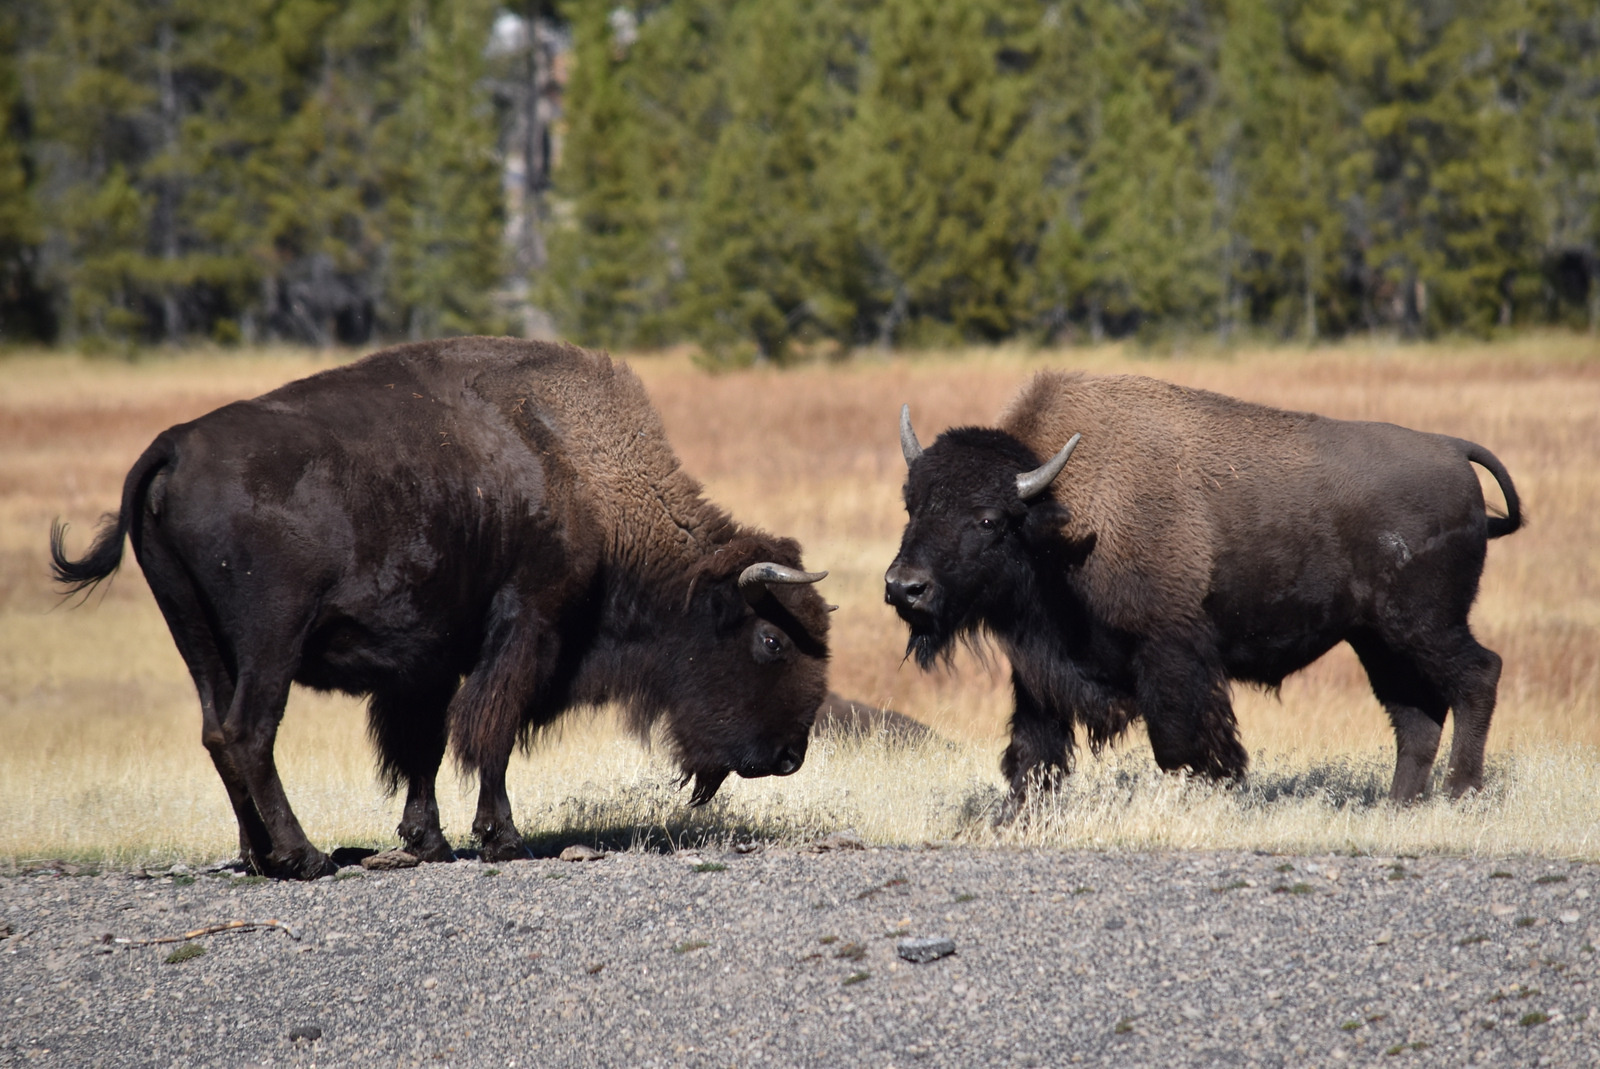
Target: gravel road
<point x="788" y="957"/>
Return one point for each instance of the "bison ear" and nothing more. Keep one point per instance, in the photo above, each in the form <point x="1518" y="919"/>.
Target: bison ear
<point x="754" y="579"/>
<point x="1030" y="484"/>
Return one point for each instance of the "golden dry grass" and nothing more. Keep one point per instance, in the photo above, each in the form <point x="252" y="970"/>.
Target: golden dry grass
<point x="101" y="756"/>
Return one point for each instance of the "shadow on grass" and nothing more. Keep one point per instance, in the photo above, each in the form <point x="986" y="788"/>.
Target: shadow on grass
<point x="653" y="817"/>
<point x="1354" y="782"/>
<point x="1339" y="783"/>
<point x="1358" y="783"/>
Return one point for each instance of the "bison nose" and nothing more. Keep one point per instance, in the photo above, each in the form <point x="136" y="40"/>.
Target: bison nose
<point x="906" y="586"/>
<point x="789" y="761"/>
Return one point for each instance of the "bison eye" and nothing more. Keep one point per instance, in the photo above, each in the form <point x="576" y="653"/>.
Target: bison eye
<point x="769" y="645"/>
<point x="989" y="519"/>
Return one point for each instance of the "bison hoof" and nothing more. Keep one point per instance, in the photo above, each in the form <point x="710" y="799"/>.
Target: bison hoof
<point x="432" y="848"/>
<point x="309" y="864"/>
<point x="506" y="851"/>
<point x="1010" y="810"/>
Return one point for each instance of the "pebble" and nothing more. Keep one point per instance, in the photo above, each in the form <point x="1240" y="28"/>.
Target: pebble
<point x="839" y="840"/>
<point x="925" y="949"/>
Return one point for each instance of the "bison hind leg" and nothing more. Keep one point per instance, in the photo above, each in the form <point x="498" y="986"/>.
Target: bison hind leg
<point x="408" y="724"/>
<point x="1415" y="706"/>
<point x="1478" y="673"/>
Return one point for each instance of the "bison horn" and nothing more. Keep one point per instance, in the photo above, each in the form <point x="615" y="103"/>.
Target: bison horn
<point x="1031" y="484"/>
<point x="908" y="437"/>
<point x="754" y="579"/>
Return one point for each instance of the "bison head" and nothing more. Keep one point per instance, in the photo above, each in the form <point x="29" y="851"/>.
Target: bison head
<point x="978" y="516"/>
<point x="743" y="676"/>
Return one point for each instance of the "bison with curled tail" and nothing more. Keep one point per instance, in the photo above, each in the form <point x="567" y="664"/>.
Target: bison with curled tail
<point x="478" y="534"/>
<point x="1193" y="541"/>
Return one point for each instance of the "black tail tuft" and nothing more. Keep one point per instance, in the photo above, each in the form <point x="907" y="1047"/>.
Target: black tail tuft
<point x="103" y="557"/>
<point x="105" y="554"/>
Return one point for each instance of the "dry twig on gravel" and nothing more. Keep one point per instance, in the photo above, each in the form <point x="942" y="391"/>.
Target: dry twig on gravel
<point x="210" y="929"/>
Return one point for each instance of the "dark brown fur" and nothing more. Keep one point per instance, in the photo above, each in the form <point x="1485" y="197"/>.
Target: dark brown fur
<point x="479" y="534"/>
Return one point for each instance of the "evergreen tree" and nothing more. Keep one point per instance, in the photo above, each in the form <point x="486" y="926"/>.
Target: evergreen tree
<point x="1557" y="85"/>
<point x="768" y="253"/>
<point x="606" y="280"/>
<point x="97" y="85"/>
<point x="440" y="178"/>
<point x="1132" y="233"/>
<point x="1446" y="213"/>
<point x="24" y="311"/>
<point x="933" y="164"/>
<point x="1294" y="138"/>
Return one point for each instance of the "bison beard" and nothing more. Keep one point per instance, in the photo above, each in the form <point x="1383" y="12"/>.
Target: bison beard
<point x="479" y="534"/>
<point x="1197" y="541"/>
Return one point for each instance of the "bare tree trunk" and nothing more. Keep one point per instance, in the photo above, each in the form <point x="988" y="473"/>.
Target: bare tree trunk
<point x="536" y="150"/>
<point x="167" y="208"/>
<point x="893" y="318"/>
<point x="1592" y="262"/>
<point x="1308" y="249"/>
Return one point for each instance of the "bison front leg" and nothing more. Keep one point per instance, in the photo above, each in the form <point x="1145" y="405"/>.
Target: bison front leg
<point x="1188" y="712"/>
<point x="488" y="711"/>
<point x="1039" y="755"/>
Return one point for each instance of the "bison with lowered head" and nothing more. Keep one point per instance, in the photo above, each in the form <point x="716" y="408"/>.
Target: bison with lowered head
<point x="1195" y="540"/>
<point x="479" y="534"/>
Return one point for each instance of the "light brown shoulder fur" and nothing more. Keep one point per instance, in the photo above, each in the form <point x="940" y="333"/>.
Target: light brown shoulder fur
<point x="652" y="514"/>
<point x="1155" y="463"/>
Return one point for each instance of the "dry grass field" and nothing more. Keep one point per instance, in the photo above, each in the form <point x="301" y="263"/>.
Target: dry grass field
<point x="99" y="728"/>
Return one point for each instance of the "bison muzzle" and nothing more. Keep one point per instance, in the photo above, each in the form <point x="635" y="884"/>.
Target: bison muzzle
<point x="478" y="534"/>
<point x="1196" y="540"/>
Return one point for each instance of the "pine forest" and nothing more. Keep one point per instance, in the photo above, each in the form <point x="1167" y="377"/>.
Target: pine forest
<point x="771" y="179"/>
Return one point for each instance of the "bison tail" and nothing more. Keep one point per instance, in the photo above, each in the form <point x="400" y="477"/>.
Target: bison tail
<point x="105" y="553"/>
<point x="1512" y="520"/>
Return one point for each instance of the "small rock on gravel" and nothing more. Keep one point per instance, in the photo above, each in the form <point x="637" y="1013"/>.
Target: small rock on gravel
<point x="926" y="949"/>
<point x="310" y="1033"/>
<point x="390" y="859"/>
<point x="839" y="840"/>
